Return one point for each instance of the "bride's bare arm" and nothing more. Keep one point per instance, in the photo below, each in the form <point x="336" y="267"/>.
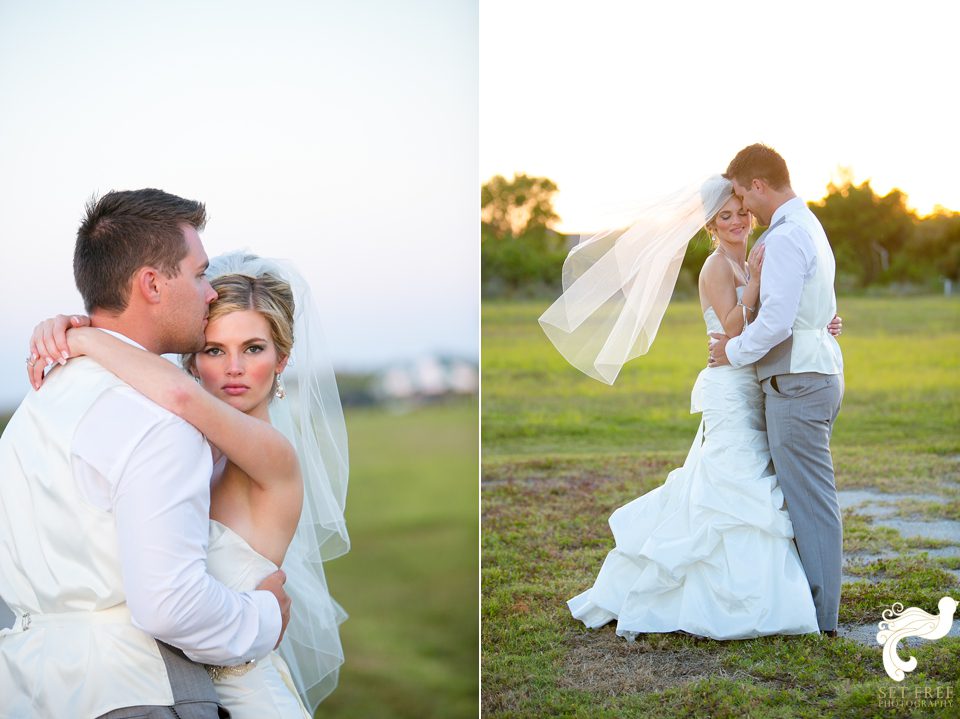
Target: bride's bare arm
<point x="751" y="293"/>
<point x="718" y="290"/>
<point x="255" y="446"/>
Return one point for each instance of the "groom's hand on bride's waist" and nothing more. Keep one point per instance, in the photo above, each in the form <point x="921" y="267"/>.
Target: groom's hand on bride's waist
<point x="274" y="584"/>
<point x="718" y="350"/>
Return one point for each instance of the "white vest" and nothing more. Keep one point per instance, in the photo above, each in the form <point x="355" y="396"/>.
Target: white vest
<point x="810" y="348"/>
<point x="72" y="651"/>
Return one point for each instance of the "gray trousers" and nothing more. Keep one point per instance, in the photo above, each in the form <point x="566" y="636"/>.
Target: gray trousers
<point x="800" y="410"/>
<point x="193" y="693"/>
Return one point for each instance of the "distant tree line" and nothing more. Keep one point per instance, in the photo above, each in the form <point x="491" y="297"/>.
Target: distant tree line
<point x="520" y="253"/>
<point x="878" y="241"/>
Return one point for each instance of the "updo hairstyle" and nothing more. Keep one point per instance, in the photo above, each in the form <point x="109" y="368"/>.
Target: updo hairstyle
<point x="266" y="294"/>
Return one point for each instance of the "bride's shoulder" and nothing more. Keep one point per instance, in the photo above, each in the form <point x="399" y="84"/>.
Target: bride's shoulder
<point x="715" y="270"/>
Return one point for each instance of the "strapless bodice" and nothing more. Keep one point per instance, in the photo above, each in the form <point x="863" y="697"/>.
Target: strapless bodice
<point x="234" y="562"/>
<point x="711" y="318"/>
<point x="266" y="690"/>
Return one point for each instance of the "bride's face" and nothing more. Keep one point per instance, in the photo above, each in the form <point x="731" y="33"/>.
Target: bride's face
<point x="239" y="361"/>
<point x="732" y="223"/>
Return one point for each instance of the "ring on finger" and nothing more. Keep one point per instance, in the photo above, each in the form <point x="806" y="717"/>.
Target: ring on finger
<point x="30" y="361"/>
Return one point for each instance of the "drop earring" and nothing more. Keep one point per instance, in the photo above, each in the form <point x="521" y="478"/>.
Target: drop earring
<point x="280" y="393"/>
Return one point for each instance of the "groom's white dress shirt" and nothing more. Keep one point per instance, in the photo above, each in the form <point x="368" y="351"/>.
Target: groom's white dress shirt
<point x="157" y="486"/>
<point x="796" y="296"/>
<point x="104" y="522"/>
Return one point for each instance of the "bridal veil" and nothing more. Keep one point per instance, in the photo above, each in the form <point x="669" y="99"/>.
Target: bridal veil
<point x="311" y="417"/>
<point x="617" y="283"/>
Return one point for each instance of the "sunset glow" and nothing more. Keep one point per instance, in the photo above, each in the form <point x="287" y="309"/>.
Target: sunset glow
<point x="620" y="102"/>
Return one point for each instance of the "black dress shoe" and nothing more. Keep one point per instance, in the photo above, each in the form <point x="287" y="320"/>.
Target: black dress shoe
<point x="832" y="633"/>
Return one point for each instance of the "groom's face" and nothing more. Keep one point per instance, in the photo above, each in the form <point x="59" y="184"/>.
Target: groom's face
<point x="187" y="298"/>
<point x="751" y="199"/>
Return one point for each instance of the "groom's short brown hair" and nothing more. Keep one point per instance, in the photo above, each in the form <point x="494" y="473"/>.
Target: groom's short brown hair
<point x="759" y="161"/>
<point x="124" y="231"/>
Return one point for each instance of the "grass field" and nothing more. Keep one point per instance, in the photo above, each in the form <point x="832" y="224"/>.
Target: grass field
<point x="561" y="451"/>
<point x="409" y="582"/>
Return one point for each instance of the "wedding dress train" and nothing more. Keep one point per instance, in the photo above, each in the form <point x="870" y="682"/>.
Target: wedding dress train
<point x="711" y="551"/>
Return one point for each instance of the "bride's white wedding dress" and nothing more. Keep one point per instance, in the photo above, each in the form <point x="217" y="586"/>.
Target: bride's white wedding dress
<point x="266" y="691"/>
<point x="711" y="551"/>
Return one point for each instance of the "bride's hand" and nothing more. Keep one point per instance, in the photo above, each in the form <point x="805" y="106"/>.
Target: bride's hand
<point x="755" y="261"/>
<point x="48" y="344"/>
<point x="836" y="326"/>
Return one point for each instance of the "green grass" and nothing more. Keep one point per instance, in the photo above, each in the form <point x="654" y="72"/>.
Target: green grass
<point x="902" y="358"/>
<point x="409" y="582"/>
<point x="561" y="451"/>
<point x="862" y="536"/>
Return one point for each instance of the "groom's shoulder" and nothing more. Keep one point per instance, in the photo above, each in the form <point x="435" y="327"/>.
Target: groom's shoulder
<point x="111" y="395"/>
<point x="120" y="422"/>
<point x="84" y="400"/>
<point x="808" y="227"/>
<point x="787" y="230"/>
<point x="127" y="402"/>
<point x="131" y="402"/>
<point x="792" y="237"/>
<point x="120" y="430"/>
<point x="800" y="222"/>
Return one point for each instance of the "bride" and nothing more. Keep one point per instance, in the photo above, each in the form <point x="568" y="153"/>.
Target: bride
<point x="279" y="483"/>
<point x="709" y="552"/>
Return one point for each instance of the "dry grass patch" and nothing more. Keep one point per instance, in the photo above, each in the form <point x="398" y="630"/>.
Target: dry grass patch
<point x="602" y="663"/>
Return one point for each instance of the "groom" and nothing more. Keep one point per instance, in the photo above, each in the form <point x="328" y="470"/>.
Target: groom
<point x="798" y="363"/>
<point x="105" y="498"/>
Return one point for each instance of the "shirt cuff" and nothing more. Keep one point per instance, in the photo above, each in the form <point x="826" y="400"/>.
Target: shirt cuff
<point x="270" y="622"/>
<point x="733" y="352"/>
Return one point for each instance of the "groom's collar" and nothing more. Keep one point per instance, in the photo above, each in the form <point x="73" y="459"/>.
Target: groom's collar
<point x="787" y="208"/>
<point x="121" y="337"/>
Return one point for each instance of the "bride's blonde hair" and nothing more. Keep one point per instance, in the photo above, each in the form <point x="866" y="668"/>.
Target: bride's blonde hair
<point x="266" y="294"/>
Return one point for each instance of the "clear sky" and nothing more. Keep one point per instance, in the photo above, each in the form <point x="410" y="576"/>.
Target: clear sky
<point x="621" y="101"/>
<point x="340" y="135"/>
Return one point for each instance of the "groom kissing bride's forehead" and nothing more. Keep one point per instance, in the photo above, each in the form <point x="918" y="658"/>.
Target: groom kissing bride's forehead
<point x="139" y="255"/>
<point x="760" y="180"/>
<point x="104" y="514"/>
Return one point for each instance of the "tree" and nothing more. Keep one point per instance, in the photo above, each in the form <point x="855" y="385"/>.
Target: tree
<point x="866" y="230"/>
<point x="520" y="252"/>
<point x="935" y="249"/>
<point x="521" y="207"/>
